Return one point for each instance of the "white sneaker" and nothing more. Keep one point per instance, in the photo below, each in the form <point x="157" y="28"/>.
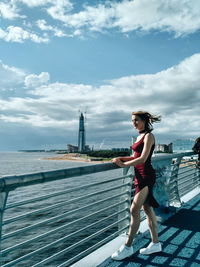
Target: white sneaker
<point x="152" y="248"/>
<point x="122" y="253"/>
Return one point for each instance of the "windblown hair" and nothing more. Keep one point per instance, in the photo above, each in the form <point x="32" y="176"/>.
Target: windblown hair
<point x="148" y="118"/>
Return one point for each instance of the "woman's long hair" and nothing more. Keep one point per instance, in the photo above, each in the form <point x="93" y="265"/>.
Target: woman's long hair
<point x="148" y="118"/>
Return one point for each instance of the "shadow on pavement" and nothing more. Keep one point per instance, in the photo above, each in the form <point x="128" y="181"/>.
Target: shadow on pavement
<point x="180" y="237"/>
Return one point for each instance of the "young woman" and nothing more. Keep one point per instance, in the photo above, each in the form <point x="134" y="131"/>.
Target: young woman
<point x="144" y="180"/>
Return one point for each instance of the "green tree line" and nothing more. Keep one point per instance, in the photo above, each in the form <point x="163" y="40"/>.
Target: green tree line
<point x="108" y="153"/>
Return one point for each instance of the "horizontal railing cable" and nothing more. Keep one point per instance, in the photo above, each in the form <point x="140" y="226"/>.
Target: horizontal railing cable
<point x="186" y="186"/>
<point x="44" y="197"/>
<point x="61" y="204"/>
<point x="181" y="173"/>
<point x="58" y="254"/>
<point x="92" y="248"/>
<point x="66" y="214"/>
<point x="13" y="248"/>
<point x="186" y="171"/>
<point x="42" y="249"/>
<point x="180" y="182"/>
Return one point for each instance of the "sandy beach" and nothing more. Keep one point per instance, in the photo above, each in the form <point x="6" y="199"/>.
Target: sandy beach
<point x="77" y="157"/>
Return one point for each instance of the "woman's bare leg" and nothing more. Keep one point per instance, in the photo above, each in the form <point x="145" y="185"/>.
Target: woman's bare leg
<point x="137" y="203"/>
<point x="152" y="222"/>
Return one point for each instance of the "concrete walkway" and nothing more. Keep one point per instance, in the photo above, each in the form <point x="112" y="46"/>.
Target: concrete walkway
<point x="180" y="237"/>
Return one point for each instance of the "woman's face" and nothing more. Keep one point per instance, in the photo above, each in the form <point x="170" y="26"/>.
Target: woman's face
<point x="138" y="123"/>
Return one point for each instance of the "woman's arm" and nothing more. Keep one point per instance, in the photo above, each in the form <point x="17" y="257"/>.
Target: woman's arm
<point x="126" y="158"/>
<point x="148" y="142"/>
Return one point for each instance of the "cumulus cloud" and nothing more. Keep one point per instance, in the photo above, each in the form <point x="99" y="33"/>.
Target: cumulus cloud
<point x="19" y="35"/>
<point x="177" y="17"/>
<point x="172" y="16"/>
<point x="10" y="76"/>
<point x="42" y="24"/>
<point x="172" y="93"/>
<point x="34" y="3"/>
<point x="34" y="81"/>
<point x="8" y="10"/>
<point x="59" y="9"/>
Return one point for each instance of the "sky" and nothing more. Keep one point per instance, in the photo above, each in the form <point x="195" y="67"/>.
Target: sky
<point x="103" y="58"/>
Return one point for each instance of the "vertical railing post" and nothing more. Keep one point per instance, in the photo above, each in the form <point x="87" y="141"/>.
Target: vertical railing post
<point x="174" y="181"/>
<point x="126" y="200"/>
<point x="196" y="176"/>
<point x="3" y="200"/>
<point x="198" y="172"/>
<point x="161" y="189"/>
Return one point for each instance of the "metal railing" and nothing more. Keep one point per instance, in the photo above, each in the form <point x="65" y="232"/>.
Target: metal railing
<point x="55" y="218"/>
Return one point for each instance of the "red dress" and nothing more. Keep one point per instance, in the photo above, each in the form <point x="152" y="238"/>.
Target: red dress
<point x="145" y="174"/>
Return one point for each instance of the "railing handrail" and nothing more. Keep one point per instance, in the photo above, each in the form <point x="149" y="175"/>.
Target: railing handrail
<point x="11" y="182"/>
<point x="172" y="155"/>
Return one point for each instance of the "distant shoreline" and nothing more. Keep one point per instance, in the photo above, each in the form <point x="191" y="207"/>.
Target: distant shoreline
<point x="77" y="157"/>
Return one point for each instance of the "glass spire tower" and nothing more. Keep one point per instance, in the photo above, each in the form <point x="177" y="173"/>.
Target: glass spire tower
<point x="81" y="134"/>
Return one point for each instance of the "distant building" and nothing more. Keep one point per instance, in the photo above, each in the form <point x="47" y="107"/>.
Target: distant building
<point x="164" y="148"/>
<point x="81" y="134"/>
<point x="82" y="147"/>
<point x="72" y="149"/>
<point x="87" y="148"/>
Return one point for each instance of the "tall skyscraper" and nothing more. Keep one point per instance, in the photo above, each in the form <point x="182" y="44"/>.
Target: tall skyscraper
<point x="81" y="134"/>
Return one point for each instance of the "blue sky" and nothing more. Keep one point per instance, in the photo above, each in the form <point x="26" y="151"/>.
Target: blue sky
<point x="106" y="57"/>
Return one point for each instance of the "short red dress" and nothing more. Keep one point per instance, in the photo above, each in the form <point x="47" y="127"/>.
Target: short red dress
<point x="145" y="174"/>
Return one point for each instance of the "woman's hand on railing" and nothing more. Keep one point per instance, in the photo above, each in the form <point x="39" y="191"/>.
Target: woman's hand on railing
<point x="118" y="162"/>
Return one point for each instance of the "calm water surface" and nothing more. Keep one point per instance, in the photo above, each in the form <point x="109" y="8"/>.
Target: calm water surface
<point x="26" y="162"/>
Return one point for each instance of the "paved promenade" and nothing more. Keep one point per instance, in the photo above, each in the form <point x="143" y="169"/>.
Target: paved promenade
<point x="180" y="237"/>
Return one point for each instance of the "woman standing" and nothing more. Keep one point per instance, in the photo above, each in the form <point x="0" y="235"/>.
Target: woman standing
<point x="144" y="180"/>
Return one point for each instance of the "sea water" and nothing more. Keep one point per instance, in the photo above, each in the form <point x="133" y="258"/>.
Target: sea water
<point x="28" y="162"/>
<point x="16" y="163"/>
